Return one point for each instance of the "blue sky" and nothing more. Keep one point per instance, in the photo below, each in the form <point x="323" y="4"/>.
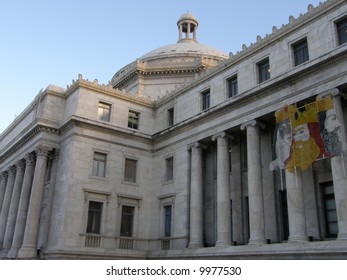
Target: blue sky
<point x="50" y="42"/>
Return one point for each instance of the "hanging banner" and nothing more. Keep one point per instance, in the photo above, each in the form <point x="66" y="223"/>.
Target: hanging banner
<point x="305" y="134"/>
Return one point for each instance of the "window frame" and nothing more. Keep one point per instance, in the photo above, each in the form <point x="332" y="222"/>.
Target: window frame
<point x="127" y="173"/>
<point x="95" y="170"/>
<point x="264" y="70"/>
<point x="99" y="218"/>
<point x="100" y="116"/>
<point x="169" y="169"/>
<point x="167" y="225"/>
<point x="232" y="90"/>
<point x="300" y="52"/>
<point x="338" y="22"/>
<point x="131" y="224"/>
<point x="133" y="119"/>
<point x="206" y="99"/>
<point x="171" y="116"/>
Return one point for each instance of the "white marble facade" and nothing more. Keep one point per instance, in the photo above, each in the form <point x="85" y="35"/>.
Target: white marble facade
<point x="163" y="163"/>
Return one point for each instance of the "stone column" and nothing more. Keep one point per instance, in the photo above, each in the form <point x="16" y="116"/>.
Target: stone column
<point x="188" y="30"/>
<point x="180" y="32"/>
<point x="296" y="207"/>
<point x="29" y="246"/>
<point x="12" y="215"/>
<point x="47" y="203"/>
<point x="223" y="190"/>
<point x="6" y="204"/>
<point x="3" y="181"/>
<point x="255" y="183"/>
<point x="196" y="197"/>
<point x="339" y="171"/>
<point x="23" y="206"/>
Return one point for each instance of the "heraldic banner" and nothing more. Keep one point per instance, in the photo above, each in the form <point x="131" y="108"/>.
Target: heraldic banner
<point x="306" y="134"/>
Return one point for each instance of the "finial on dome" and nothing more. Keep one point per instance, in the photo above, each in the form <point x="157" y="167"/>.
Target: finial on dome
<point x="187" y="24"/>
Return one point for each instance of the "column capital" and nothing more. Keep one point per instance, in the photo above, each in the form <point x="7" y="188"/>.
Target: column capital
<point x="42" y="151"/>
<point x="222" y="135"/>
<point x="252" y="123"/>
<point x="196" y="145"/>
<point x="3" y="175"/>
<point x="20" y="165"/>
<point x="11" y="171"/>
<point x="29" y="160"/>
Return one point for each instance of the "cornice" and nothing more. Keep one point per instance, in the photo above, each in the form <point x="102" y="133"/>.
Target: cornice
<point x="138" y="67"/>
<point x="17" y="143"/>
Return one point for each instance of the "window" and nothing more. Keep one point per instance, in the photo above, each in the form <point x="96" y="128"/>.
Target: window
<point x="94" y="217"/>
<point x="330" y="210"/>
<point x="104" y="111"/>
<point x="130" y="170"/>
<point x="133" y="120"/>
<point x="341" y="27"/>
<point x="205" y="99"/>
<point x="167" y="220"/>
<point x="300" y="51"/>
<point x="263" y="70"/>
<point x="169" y="169"/>
<point x="232" y="86"/>
<point x="127" y="221"/>
<point x="99" y="164"/>
<point x="170" y="114"/>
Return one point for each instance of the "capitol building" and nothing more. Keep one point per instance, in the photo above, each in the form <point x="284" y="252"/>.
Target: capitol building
<point x="189" y="153"/>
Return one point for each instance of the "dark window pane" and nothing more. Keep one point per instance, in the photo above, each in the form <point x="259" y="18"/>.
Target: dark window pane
<point x="264" y="71"/>
<point x="300" y="52"/>
<point x="342" y="31"/>
<point x="130" y="170"/>
<point x="94" y="217"/>
<point x="126" y="228"/>
<point x="168" y="214"/>
<point x="232" y="86"/>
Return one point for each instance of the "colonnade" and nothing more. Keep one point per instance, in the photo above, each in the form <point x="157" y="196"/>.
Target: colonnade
<point x="294" y="185"/>
<point x="21" y="195"/>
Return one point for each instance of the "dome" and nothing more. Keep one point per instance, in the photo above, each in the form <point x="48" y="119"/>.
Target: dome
<point x="184" y="49"/>
<point x="165" y="68"/>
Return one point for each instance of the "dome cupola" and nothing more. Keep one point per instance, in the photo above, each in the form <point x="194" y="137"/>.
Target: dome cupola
<point x="187" y="26"/>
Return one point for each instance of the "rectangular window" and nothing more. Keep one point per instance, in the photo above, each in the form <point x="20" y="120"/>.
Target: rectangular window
<point x="170" y="114"/>
<point x="169" y="169"/>
<point x="330" y="210"/>
<point x="130" y="170"/>
<point x="99" y="164"/>
<point x="167" y="220"/>
<point x="104" y="112"/>
<point x="232" y="86"/>
<point x="341" y="27"/>
<point x="127" y="221"/>
<point x="133" y="120"/>
<point x="263" y="70"/>
<point x="206" y="99"/>
<point x="300" y="51"/>
<point x="94" y="217"/>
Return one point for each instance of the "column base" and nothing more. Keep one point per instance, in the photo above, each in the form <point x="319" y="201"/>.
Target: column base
<point x="3" y="254"/>
<point x="195" y="245"/>
<point x="257" y="241"/>
<point x="342" y="236"/>
<point x="297" y="239"/>
<point x="223" y="244"/>
<point x="12" y="254"/>
<point x="27" y="253"/>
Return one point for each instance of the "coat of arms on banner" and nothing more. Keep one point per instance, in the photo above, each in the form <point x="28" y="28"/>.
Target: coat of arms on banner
<point x="305" y="134"/>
